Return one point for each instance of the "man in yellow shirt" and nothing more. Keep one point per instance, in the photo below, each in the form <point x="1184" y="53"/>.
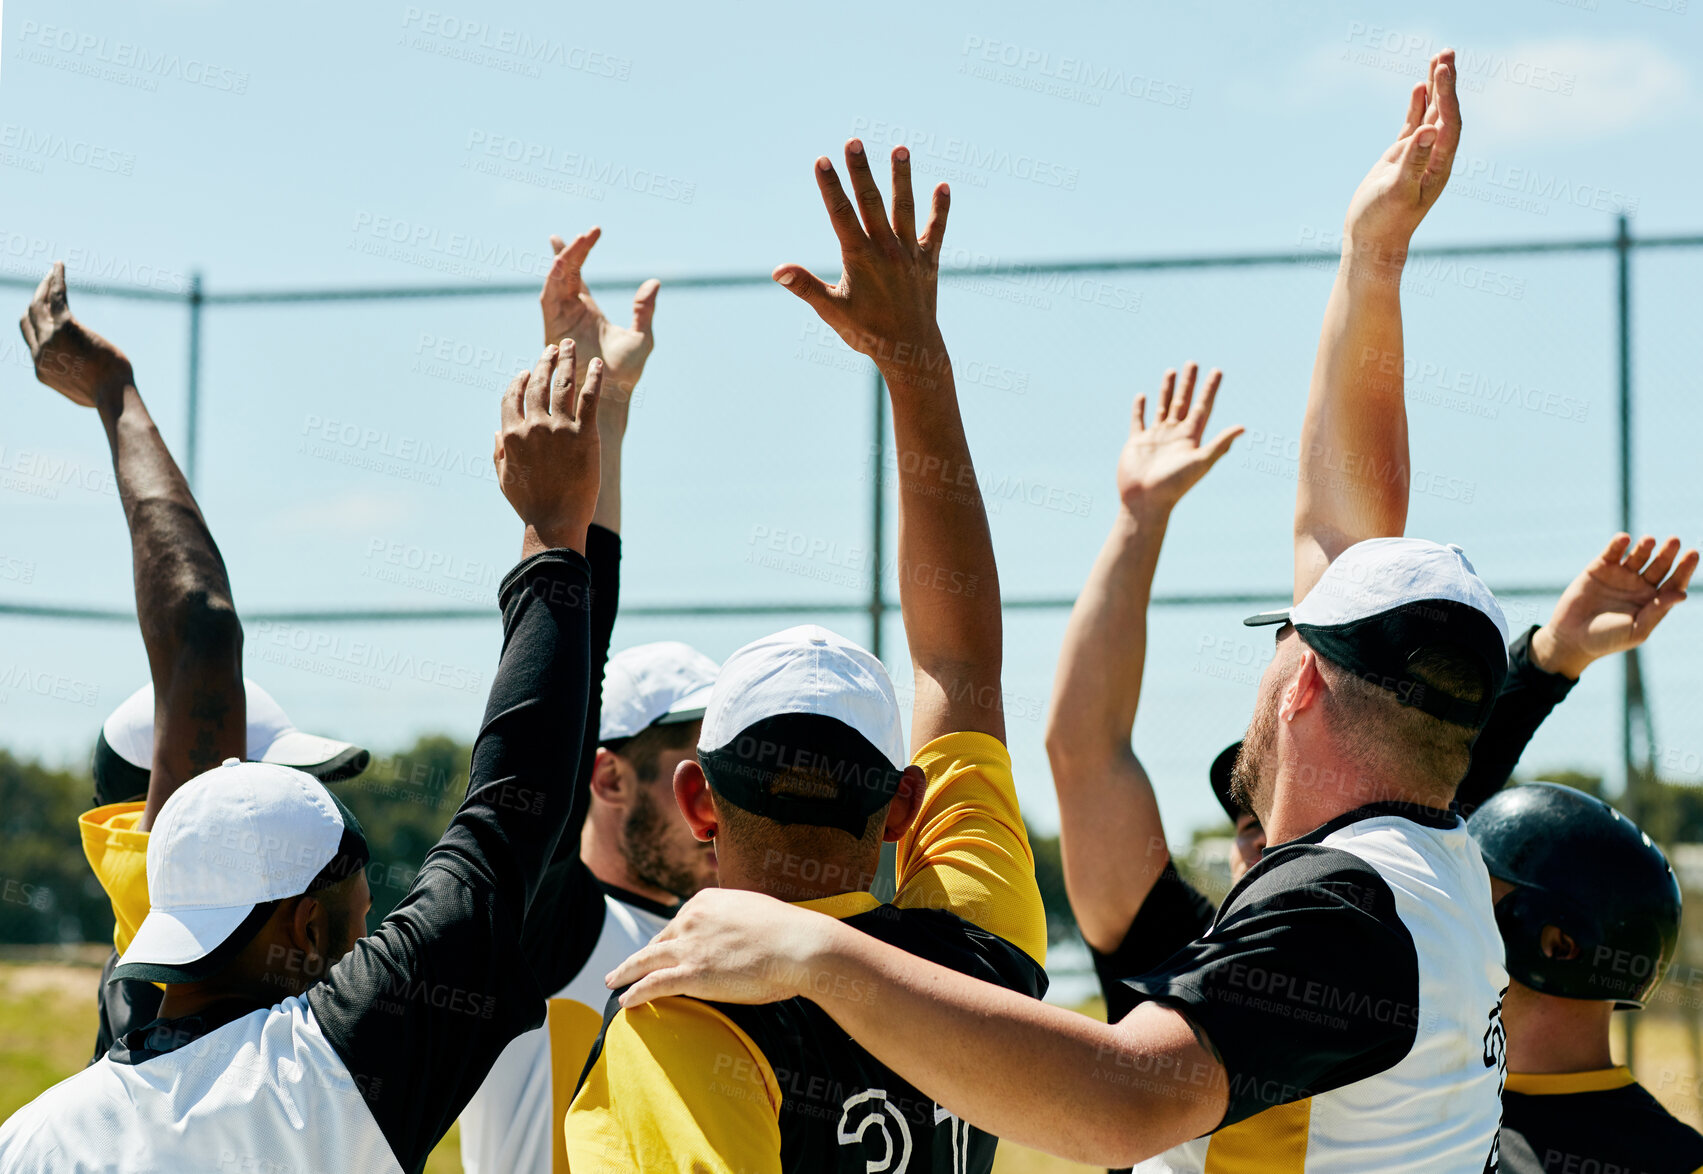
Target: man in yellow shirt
<point x="802" y="773"/>
<point x="117" y="847"/>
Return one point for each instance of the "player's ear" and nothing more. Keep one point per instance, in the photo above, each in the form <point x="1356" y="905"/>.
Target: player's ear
<point x="692" y="793"/>
<point x="907" y="800"/>
<point x="1557" y="944"/>
<point x="1304" y="689"/>
<point x="608" y="778"/>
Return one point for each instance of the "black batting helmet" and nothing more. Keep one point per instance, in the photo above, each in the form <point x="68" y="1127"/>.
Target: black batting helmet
<point x="1586" y="869"/>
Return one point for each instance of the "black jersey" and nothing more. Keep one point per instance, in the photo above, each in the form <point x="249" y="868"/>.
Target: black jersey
<point x="1601" y="1122"/>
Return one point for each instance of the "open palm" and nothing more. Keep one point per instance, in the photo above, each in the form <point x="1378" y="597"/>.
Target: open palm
<point x="1407" y="179"/>
<point x="1619" y="598"/>
<point x="1160" y="464"/>
<point x="570" y="312"/>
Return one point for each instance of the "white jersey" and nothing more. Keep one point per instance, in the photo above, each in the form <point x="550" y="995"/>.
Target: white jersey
<point x="513" y="1124"/>
<point x="263" y="1094"/>
<point x="1380" y="996"/>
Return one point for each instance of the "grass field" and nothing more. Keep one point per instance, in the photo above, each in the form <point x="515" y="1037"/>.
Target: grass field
<point x="47" y="1026"/>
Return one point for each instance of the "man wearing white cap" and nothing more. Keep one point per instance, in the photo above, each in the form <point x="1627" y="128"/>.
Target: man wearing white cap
<point x="802" y="773"/>
<point x="117" y="846"/>
<point x="1342" y="1012"/>
<point x="287" y="1040"/>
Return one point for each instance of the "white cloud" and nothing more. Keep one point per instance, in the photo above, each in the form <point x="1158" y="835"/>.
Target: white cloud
<point x="1575" y="89"/>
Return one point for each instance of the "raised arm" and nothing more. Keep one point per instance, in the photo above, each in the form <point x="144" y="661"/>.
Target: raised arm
<point x="570" y="312"/>
<point x="183" y="596"/>
<point x="1109" y="827"/>
<point x="1612" y="606"/>
<point x="883" y="306"/>
<point x="419" y="1011"/>
<point x="1353" y="480"/>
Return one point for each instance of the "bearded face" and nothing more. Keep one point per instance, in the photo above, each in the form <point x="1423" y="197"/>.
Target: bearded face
<point x="1255" y="771"/>
<point x="659" y="847"/>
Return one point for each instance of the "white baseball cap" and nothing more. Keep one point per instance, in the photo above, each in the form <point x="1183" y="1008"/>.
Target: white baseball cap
<point x="124" y="753"/>
<point x="1385" y="602"/>
<point x="811" y="705"/>
<point x="658" y="684"/>
<point x="228" y="845"/>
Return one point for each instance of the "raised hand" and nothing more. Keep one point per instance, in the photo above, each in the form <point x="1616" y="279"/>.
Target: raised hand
<point x="69" y="357"/>
<point x="570" y="312"/>
<point x="1614" y="604"/>
<point x="1407" y="179"/>
<point x="883" y="303"/>
<point x="1160" y="464"/>
<point x="547" y="450"/>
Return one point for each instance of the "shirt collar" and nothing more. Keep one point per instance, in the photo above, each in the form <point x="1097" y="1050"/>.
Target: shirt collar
<point x="841" y="905"/>
<point x="1560" y="1083"/>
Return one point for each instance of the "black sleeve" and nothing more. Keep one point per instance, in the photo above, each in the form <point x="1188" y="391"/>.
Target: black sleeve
<point x="1174" y="914"/>
<point x="1526" y="699"/>
<point x="1308" y="981"/>
<point x="420" y="1010"/>
<point x="603" y="554"/>
<point x="566" y="916"/>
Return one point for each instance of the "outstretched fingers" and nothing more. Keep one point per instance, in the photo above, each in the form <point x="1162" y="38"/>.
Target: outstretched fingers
<point x="904" y="203"/>
<point x="870" y="206"/>
<point x="1167" y="391"/>
<point x="562" y="379"/>
<point x="1203" y="406"/>
<point x="935" y="230"/>
<point x="590" y="396"/>
<point x="841" y="214"/>
<point x="1180" y="406"/>
<point x="644" y="305"/>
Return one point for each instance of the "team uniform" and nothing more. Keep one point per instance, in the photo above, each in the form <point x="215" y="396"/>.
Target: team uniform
<point x="368" y="1068"/>
<point x="1575" y="864"/>
<point x="1352" y="985"/>
<point x="680" y="1084"/>
<point x="1601" y="1121"/>
<point x="577" y="930"/>
<point x="117" y="848"/>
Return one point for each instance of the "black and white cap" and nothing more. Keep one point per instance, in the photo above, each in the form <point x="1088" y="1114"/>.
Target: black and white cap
<point x="1388" y="607"/>
<point x="124" y="753"/>
<point x="224" y="850"/>
<point x="803" y="727"/>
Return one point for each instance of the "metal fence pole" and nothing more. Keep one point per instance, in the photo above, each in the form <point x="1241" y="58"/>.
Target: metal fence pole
<point x="192" y="441"/>
<point x="1631" y="680"/>
<point x="878" y="518"/>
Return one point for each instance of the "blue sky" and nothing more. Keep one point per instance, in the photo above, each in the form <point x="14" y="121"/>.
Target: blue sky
<point x="345" y="447"/>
